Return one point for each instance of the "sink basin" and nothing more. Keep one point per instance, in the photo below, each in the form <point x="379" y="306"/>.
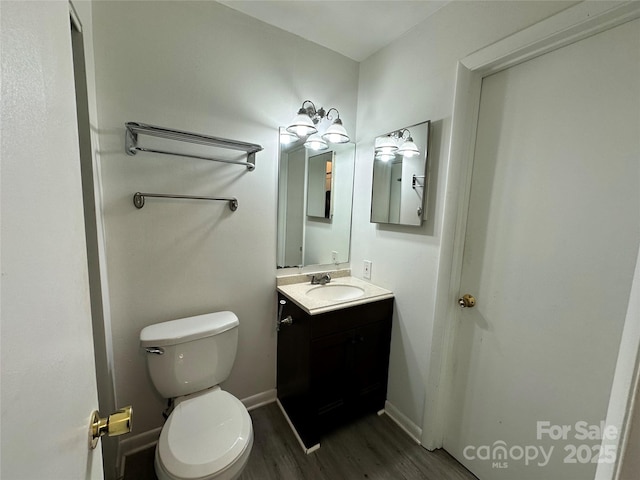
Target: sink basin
<point x="335" y="292"/>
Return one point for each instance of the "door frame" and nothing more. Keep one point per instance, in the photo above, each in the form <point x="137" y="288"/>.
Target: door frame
<point x="80" y="12"/>
<point x="569" y="26"/>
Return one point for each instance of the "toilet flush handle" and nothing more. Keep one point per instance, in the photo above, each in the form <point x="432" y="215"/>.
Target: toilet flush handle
<point x="155" y="350"/>
<point x="280" y="321"/>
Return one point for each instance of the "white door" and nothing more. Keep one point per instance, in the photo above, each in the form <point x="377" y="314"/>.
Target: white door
<point x="552" y="236"/>
<point x="48" y="374"/>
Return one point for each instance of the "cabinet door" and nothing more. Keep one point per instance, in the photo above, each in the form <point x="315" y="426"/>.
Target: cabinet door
<point x="332" y="360"/>
<point x="371" y="366"/>
<point x="293" y="356"/>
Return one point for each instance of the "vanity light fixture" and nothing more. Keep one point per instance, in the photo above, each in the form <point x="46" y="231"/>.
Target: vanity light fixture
<point x="316" y="142"/>
<point x="387" y="146"/>
<point x="336" y="133"/>
<point x="385" y="157"/>
<point x="287" y="137"/>
<point x="409" y="149"/>
<point x="305" y="124"/>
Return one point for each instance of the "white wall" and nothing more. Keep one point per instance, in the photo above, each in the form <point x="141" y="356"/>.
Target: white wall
<point x="405" y="259"/>
<point x="201" y="67"/>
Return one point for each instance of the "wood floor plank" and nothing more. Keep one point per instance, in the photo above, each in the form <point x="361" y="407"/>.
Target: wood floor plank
<point x="372" y="448"/>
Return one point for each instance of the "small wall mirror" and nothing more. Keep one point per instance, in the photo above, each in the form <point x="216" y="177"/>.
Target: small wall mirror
<point x="400" y="176"/>
<point x="315" y="196"/>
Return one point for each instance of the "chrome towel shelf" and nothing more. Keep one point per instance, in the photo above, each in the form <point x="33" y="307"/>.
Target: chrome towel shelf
<point x="138" y="199"/>
<point x="133" y="129"/>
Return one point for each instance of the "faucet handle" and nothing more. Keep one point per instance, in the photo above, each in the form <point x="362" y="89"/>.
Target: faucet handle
<point x="320" y="278"/>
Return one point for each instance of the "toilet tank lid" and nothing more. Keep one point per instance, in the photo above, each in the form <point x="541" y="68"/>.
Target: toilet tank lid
<point x="186" y="329"/>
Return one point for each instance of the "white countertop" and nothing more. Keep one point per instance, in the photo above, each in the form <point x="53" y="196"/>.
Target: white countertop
<point x="297" y="292"/>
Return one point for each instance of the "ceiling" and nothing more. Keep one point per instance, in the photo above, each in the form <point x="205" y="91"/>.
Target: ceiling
<point x="354" y="28"/>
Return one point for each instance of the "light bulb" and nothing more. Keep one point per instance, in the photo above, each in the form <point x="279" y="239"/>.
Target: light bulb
<point x="315" y="142"/>
<point x="385" y="157"/>
<point x="333" y="137"/>
<point x="287" y="138"/>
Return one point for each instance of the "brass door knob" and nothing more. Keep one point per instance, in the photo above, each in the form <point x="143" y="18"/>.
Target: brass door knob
<point x="117" y="423"/>
<point x="467" y="301"/>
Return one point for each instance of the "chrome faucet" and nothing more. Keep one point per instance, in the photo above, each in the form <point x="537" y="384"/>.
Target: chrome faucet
<point x="320" y="279"/>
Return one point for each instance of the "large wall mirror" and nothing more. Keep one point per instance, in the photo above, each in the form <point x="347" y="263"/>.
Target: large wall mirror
<point x="315" y="195"/>
<point x="400" y="176"/>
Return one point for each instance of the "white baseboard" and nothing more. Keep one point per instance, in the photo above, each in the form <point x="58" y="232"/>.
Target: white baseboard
<point x="136" y="443"/>
<point x="260" y="399"/>
<point x="403" y="422"/>
<point x="295" y="432"/>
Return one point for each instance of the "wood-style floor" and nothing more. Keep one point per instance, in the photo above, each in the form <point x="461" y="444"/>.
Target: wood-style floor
<point x="372" y="448"/>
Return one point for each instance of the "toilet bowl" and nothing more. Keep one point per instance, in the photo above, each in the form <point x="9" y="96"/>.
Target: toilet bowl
<point x="208" y="436"/>
<point x="209" y="433"/>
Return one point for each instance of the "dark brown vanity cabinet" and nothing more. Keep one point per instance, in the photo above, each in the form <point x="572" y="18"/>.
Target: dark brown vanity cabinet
<point x="333" y="367"/>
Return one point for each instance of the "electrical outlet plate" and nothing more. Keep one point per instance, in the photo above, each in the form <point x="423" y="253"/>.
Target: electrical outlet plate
<point x="367" y="270"/>
<point x="334" y="256"/>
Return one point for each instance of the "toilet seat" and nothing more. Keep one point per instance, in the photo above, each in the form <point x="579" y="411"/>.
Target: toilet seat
<point x="207" y="436"/>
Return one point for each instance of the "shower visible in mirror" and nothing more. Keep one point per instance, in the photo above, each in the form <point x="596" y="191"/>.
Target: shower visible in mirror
<point x="315" y="195"/>
<point x="400" y="176"/>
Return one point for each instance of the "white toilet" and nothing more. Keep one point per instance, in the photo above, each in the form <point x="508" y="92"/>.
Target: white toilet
<point x="209" y="432"/>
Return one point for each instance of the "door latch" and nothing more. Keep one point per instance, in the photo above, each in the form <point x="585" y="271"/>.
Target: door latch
<point x="467" y="301"/>
<point x="117" y="423"/>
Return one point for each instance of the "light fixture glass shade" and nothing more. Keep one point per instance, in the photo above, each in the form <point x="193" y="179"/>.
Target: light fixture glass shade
<point x="409" y="149"/>
<point x="385" y="157"/>
<point x="302" y="125"/>
<point x="316" y="142"/>
<point x="336" y="133"/>
<point x="385" y="145"/>
<point x="287" y="138"/>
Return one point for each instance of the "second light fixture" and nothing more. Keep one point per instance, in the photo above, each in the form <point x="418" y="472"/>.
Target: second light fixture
<point x="305" y="125"/>
<point x="395" y="143"/>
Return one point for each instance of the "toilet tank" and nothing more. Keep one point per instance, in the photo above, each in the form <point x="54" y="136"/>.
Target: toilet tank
<point x="190" y="354"/>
